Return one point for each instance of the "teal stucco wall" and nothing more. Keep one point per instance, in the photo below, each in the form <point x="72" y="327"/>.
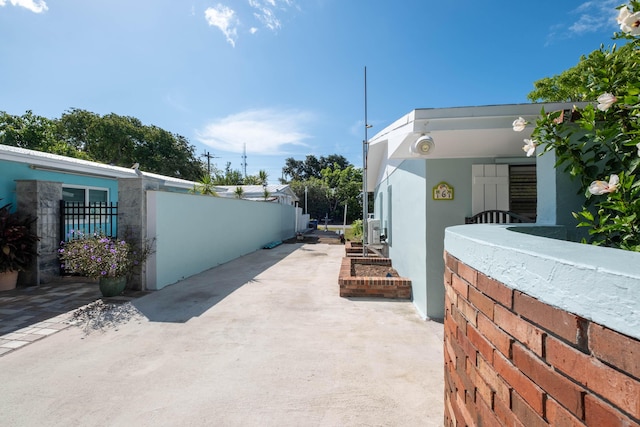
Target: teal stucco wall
<point x="194" y="233"/>
<point x="12" y="171"/>
<point x="415" y="222"/>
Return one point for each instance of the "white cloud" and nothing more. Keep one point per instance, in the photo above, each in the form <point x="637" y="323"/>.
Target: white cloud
<point x="266" y="12"/>
<point x="225" y="19"/>
<point x="594" y="16"/>
<point x="36" y="6"/>
<point x="265" y="132"/>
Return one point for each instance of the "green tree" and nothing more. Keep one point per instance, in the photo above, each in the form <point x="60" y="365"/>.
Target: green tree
<point x="344" y="186"/>
<point x="204" y="186"/>
<point x="239" y="191"/>
<point x="261" y="178"/>
<point x="311" y="167"/>
<point x="112" y="139"/>
<point x="228" y="176"/>
<point x="600" y="144"/>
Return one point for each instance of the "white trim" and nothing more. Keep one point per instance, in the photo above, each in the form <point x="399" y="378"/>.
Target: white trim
<point x="62" y="164"/>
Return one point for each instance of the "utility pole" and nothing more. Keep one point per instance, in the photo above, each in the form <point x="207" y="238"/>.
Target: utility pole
<point x="209" y="156"/>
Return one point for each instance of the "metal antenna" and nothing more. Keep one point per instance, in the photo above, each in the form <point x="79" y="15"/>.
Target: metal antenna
<point x="244" y="160"/>
<point x="365" y="152"/>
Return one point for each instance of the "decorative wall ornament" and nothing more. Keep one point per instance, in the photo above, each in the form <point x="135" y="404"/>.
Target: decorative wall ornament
<point x="443" y="191"/>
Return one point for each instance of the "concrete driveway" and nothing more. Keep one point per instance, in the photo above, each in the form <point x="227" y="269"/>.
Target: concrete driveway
<point x="264" y="340"/>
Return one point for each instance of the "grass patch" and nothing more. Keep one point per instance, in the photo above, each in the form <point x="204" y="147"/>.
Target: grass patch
<point x="348" y="232"/>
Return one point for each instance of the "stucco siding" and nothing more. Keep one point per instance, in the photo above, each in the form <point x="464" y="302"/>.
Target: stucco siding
<point x="194" y="233"/>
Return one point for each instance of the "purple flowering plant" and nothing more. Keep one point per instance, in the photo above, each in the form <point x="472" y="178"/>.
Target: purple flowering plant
<point x="96" y="255"/>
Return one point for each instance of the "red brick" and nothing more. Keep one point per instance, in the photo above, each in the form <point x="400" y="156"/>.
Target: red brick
<point x="459" y="354"/>
<point x="460" y="286"/>
<point x="525" y="413"/>
<point x="451" y="262"/>
<point x="468" y="311"/>
<point x="553" y="383"/>
<point x="557" y="321"/>
<point x="519" y="328"/>
<point x="480" y="343"/>
<point x="458" y="318"/>
<point x="495" y="290"/>
<point x="598" y="413"/>
<point x="619" y="389"/>
<point x="486" y="417"/>
<point x="559" y="417"/>
<point x="447" y="276"/>
<point x="493" y="380"/>
<point x="464" y="411"/>
<point x="520" y="383"/>
<point x="467" y="346"/>
<point x="496" y="336"/>
<point x="504" y="414"/>
<point x="451" y="294"/>
<point x="481" y="302"/>
<point x="467" y="273"/>
<point x="616" y="349"/>
<point x="483" y="391"/>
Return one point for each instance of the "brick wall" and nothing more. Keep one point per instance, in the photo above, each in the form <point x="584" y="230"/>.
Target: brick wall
<point x="513" y="360"/>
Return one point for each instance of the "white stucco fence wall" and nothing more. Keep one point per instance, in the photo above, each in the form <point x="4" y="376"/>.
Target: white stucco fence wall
<point x="194" y="233"/>
<point x="599" y="284"/>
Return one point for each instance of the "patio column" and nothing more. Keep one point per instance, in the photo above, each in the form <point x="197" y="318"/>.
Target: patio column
<point x="132" y="219"/>
<point x="41" y="199"/>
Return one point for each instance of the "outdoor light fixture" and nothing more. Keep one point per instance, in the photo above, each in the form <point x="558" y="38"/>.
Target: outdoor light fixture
<point x="423" y="146"/>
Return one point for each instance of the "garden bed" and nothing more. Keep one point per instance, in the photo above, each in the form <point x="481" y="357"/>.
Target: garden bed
<point x="354" y="249"/>
<point x="372" y="277"/>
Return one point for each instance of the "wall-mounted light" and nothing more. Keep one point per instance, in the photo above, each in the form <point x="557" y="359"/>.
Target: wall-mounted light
<point x="423" y="146"/>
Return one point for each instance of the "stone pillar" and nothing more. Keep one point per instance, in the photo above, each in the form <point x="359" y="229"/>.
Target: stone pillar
<point x="41" y="199"/>
<point x="132" y="219"/>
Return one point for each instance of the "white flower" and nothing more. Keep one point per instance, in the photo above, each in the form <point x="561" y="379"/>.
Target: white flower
<point x="598" y="188"/>
<point x="629" y="22"/>
<point x="530" y="147"/>
<point x="519" y="124"/>
<point x="605" y="101"/>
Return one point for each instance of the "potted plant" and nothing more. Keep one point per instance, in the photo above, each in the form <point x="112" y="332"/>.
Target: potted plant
<point x="100" y="257"/>
<point x="17" y="246"/>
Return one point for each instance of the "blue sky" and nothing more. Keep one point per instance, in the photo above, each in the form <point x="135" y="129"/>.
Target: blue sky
<point x="284" y="77"/>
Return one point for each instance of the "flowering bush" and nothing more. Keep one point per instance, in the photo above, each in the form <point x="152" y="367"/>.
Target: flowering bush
<point x="97" y="256"/>
<point x="600" y="142"/>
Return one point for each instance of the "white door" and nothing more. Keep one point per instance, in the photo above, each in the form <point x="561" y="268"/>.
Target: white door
<point x="490" y="188"/>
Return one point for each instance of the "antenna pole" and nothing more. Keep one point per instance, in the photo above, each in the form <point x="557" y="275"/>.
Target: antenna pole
<point x="244" y="160"/>
<point x="365" y="152"/>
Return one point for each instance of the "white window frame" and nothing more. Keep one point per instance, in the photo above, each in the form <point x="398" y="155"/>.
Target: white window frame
<point x="87" y="189"/>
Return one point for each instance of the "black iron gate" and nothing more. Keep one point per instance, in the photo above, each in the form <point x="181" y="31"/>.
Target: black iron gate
<point x="76" y="217"/>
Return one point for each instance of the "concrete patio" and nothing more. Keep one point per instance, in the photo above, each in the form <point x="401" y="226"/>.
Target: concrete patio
<point x="264" y="340"/>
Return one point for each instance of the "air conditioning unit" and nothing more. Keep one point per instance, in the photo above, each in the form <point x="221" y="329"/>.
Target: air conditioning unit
<point x="373" y="231"/>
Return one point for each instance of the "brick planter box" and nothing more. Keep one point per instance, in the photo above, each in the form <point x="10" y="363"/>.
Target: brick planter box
<point x="379" y="287"/>
<point x="354" y="249"/>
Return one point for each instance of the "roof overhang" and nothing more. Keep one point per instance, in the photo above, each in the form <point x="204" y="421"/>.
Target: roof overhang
<point x="61" y="164"/>
<point x="460" y="132"/>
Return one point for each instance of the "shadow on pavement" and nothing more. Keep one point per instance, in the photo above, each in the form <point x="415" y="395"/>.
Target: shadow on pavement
<point x="192" y="296"/>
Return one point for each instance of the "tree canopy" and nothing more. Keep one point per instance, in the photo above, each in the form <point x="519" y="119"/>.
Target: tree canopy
<point x="311" y="167"/>
<point x="599" y="144"/>
<point x="331" y="183"/>
<point x="112" y="139"/>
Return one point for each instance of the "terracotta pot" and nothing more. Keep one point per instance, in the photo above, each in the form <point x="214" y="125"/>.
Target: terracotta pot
<point x="112" y="286"/>
<point x="8" y="280"/>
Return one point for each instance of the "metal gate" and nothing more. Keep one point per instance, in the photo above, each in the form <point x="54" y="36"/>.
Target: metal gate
<point x="87" y="219"/>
